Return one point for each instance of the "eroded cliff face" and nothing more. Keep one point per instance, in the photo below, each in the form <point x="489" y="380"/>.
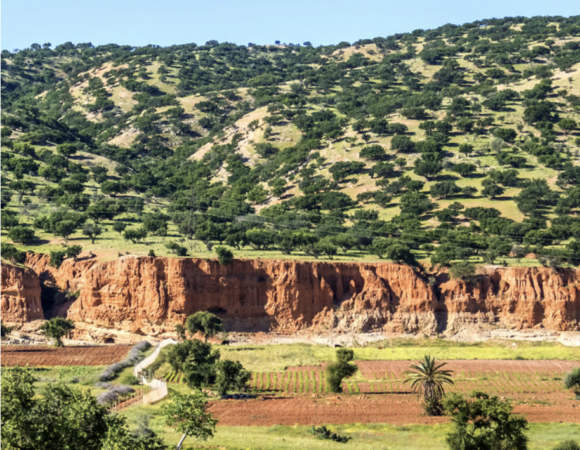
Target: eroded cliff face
<point x="20" y="296"/>
<point x="149" y="296"/>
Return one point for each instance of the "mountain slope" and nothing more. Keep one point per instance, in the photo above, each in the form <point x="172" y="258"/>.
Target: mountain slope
<point x="453" y="145"/>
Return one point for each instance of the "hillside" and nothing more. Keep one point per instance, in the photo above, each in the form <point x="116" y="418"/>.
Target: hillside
<point x="448" y="147"/>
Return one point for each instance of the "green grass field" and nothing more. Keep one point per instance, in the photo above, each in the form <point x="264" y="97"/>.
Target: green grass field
<point x="364" y="436"/>
<point x="271" y="358"/>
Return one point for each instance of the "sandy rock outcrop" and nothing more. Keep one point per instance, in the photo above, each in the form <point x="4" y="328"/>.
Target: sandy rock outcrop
<point x="148" y="296"/>
<point x="20" y="297"/>
<point x="517" y="298"/>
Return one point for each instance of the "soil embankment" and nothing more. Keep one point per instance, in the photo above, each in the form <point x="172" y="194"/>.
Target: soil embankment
<point x="148" y="296"/>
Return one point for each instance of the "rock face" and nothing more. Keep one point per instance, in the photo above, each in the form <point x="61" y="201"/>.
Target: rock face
<point x="149" y="296"/>
<point x="20" y="297"/>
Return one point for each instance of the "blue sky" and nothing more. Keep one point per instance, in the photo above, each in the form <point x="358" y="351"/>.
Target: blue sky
<point x="167" y="22"/>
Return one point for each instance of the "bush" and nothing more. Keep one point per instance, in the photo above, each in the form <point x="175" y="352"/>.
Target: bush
<point x="130" y="380"/>
<point x="338" y="371"/>
<point x="572" y="381"/>
<point x="463" y="270"/>
<point x="225" y="256"/>
<point x="134" y="356"/>
<point x="113" y="394"/>
<point x="324" y="433"/>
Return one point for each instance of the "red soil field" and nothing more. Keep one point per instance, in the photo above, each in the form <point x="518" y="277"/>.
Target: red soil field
<point x="41" y="356"/>
<point x="297" y="396"/>
<point x="397" y="409"/>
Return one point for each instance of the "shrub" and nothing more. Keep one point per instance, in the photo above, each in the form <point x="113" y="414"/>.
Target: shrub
<point x="572" y="381"/>
<point x="324" y="433"/>
<point x="338" y="371"/>
<point x="113" y="394"/>
<point x="225" y="256"/>
<point x="134" y="356"/>
<point x="463" y="270"/>
<point x="130" y="379"/>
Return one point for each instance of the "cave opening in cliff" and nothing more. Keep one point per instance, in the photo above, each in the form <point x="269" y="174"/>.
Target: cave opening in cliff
<point x="217" y="310"/>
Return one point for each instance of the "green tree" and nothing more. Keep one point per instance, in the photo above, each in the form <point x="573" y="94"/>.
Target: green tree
<point x="92" y="231"/>
<point x="119" y="227"/>
<point x="22" y="235"/>
<point x="484" y="422"/>
<point x="572" y="381"/>
<point x="427" y="169"/>
<point x="231" y="375"/>
<point x="5" y="331"/>
<point x="225" y="256"/>
<point x="180" y="330"/>
<point x="135" y="234"/>
<point x="188" y="413"/>
<point x="57" y="257"/>
<point x="567" y="125"/>
<point x="11" y="253"/>
<point x="341" y="369"/>
<point x="428" y="380"/>
<point x="66" y="228"/>
<point x="206" y="323"/>
<point x="62" y="417"/>
<point x="56" y="328"/>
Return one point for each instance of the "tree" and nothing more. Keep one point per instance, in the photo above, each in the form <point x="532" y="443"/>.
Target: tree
<point x="464" y="169"/>
<point x="572" y="381"/>
<point x="444" y="189"/>
<point x="466" y="149"/>
<point x="5" y="330"/>
<point x="567" y="125"/>
<point x="225" y="256"/>
<point x="427" y="169"/>
<point x="65" y="228"/>
<point x="23" y="235"/>
<point x="484" y="423"/>
<point x="113" y="188"/>
<point x="206" y="323"/>
<point x="63" y="417"/>
<point x="56" y="328"/>
<point x="428" y="380"/>
<point x="491" y="189"/>
<point x="462" y="270"/>
<point x="188" y="412"/>
<point x="10" y="219"/>
<point x="22" y="187"/>
<point x="197" y="360"/>
<point x="402" y="144"/>
<point x="12" y="253"/>
<point x="92" y="230"/>
<point x="373" y="153"/>
<point x="231" y="375"/>
<point x="338" y="371"/>
<point x="134" y="235"/>
<point x="56" y="258"/>
<point x="119" y="227"/>
<point x="180" y="330"/>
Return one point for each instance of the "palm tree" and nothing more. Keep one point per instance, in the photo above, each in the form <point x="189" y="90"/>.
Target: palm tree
<point x="428" y="379"/>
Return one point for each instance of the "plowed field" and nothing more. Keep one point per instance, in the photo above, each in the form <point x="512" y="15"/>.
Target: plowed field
<point x="377" y="394"/>
<point x="40" y="356"/>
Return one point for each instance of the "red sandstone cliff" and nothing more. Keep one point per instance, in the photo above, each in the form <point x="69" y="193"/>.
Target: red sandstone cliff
<point x="20" y="296"/>
<point x="150" y="295"/>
